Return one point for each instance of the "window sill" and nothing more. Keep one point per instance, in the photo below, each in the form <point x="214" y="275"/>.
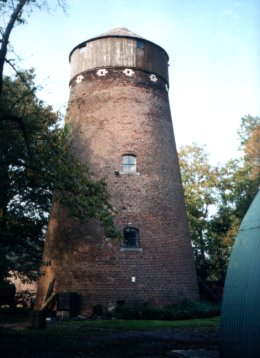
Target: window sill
<point x="126" y="173"/>
<point x="131" y="249"/>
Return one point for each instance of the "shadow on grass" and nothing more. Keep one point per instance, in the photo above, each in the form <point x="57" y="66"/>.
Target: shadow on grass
<point x="114" y="338"/>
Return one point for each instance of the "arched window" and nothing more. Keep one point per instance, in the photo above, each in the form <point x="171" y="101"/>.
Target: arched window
<point x="129" y="163"/>
<point x="131" y="237"/>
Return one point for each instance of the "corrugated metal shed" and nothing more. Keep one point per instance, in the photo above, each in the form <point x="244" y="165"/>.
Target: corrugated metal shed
<point x="240" y="318"/>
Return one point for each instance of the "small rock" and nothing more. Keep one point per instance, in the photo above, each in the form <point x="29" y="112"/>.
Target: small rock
<point x="80" y="318"/>
<point x="193" y="353"/>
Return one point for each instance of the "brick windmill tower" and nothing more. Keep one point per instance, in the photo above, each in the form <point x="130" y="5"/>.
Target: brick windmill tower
<point x="120" y="115"/>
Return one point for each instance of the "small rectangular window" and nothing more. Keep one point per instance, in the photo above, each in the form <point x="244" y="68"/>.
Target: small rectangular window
<point x="131" y="237"/>
<point x="129" y="163"/>
<point x="139" y="44"/>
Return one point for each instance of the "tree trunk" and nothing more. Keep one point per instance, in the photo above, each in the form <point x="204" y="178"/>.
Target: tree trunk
<point x="5" y="38"/>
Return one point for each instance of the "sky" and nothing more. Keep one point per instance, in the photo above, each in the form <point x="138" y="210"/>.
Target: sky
<point x="214" y="50"/>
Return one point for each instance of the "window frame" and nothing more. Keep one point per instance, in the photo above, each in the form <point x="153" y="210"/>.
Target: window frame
<point x="140" y="44"/>
<point x="126" y="165"/>
<point x="127" y="244"/>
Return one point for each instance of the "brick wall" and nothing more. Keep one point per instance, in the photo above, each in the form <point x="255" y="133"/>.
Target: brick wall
<point x="112" y="115"/>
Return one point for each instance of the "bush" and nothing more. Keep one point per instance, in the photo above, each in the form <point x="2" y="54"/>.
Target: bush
<point x="185" y="310"/>
<point x="127" y="311"/>
<point x="6" y="309"/>
<point x="190" y="309"/>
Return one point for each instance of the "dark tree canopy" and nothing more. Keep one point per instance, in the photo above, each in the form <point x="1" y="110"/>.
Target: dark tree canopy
<point x="36" y="159"/>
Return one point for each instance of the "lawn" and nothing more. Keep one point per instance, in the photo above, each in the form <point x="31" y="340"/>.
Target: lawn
<point x="107" y="338"/>
<point x="140" y="324"/>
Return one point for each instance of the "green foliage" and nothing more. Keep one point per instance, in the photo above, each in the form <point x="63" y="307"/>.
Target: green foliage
<point x="190" y="309"/>
<point x="37" y="160"/>
<point x="200" y="190"/>
<point x="14" y="311"/>
<point x="137" y="311"/>
<point x="247" y="126"/>
<point x="224" y="191"/>
<point x="184" y="310"/>
<point x="7" y="293"/>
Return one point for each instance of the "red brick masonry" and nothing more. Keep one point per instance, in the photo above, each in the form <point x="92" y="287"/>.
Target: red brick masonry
<point x="112" y="115"/>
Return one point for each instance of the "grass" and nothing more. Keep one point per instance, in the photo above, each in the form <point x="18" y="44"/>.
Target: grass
<point x="95" y="339"/>
<point x="140" y="324"/>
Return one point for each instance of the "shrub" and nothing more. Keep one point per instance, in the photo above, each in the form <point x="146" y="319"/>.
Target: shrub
<point x="190" y="309"/>
<point x="127" y="311"/>
<point x="7" y="309"/>
<point x="185" y="310"/>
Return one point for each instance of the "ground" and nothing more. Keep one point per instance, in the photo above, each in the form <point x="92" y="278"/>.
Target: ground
<point x="76" y="340"/>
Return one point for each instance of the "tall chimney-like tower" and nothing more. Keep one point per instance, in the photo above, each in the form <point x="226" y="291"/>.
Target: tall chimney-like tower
<point x="120" y="115"/>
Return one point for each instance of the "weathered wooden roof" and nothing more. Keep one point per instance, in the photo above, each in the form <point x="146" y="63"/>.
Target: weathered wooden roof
<point x="116" y="32"/>
<point x="121" y="32"/>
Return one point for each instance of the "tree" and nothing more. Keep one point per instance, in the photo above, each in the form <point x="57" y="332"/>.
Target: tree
<point x="224" y="224"/>
<point x="228" y="190"/>
<point x="249" y="133"/>
<point x="252" y="152"/>
<point x="200" y="181"/>
<point x="240" y="178"/>
<point x="36" y="160"/>
<point x="247" y="126"/>
<point x="238" y="183"/>
<point x="12" y="14"/>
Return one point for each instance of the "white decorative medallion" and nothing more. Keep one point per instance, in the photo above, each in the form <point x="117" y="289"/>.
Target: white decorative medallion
<point x="128" y="72"/>
<point x="79" y="78"/>
<point x="153" y="78"/>
<point x="102" y="72"/>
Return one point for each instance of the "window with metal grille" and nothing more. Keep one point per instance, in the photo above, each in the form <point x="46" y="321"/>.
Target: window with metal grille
<point x="131" y="237"/>
<point x="129" y="163"/>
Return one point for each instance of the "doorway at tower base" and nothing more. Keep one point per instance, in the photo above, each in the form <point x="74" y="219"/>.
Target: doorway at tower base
<point x="60" y="305"/>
